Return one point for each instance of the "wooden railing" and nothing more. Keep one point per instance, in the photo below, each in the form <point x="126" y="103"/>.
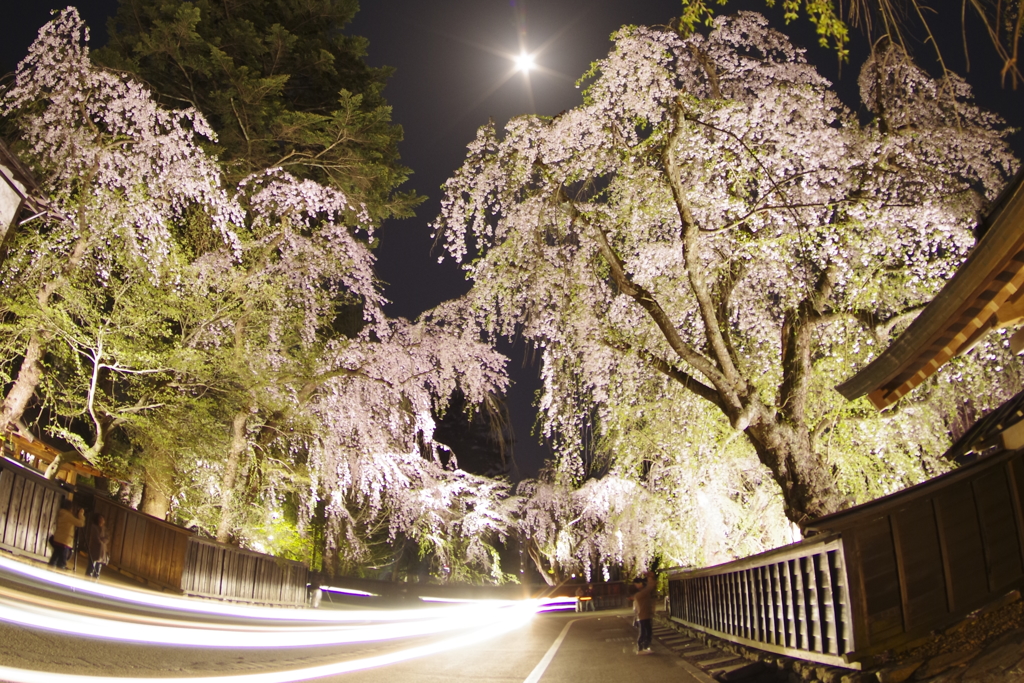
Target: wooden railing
<point x="873" y="577"/>
<point x="793" y="601"/>
<point x="28" y="510"/>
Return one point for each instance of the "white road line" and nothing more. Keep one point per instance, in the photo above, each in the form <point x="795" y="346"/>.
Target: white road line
<point x="542" y="665"/>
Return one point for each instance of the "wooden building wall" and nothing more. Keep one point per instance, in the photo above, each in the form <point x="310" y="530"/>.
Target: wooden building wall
<point x="927" y="556"/>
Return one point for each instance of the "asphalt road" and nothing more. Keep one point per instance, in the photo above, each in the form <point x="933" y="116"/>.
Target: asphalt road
<point x="598" y="648"/>
<point x="554" y="647"/>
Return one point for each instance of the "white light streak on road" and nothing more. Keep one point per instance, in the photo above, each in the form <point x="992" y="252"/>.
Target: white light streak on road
<point x="188" y="605"/>
<point x="59" y="617"/>
<point x="348" y="591"/>
<point x="470" y="622"/>
<point x="513" y="618"/>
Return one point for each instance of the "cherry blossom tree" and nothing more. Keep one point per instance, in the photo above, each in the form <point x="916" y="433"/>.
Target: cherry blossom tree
<point x="118" y="173"/>
<point x="898" y="21"/>
<point x="715" y="218"/>
<point x="150" y="293"/>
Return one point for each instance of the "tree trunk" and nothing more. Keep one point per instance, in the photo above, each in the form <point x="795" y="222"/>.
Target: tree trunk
<point x="231" y="467"/>
<point x="538" y="561"/>
<point x="156" y="494"/>
<point x="31" y="372"/>
<point x="29" y="376"/>
<point x="808" y="489"/>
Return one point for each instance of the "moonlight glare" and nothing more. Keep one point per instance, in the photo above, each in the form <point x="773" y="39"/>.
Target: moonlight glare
<point x="525" y="62"/>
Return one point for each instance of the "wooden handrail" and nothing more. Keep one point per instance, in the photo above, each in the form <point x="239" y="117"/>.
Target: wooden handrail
<point x="786" y="552"/>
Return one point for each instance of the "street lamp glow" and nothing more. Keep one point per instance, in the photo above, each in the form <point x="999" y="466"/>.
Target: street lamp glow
<point x="525" y="62"/>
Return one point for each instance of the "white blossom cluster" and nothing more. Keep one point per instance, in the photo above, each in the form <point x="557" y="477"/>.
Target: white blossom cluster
<point x="719" y="166"/>
<point x="118" y="168"/>
<point x="246" y="315"/>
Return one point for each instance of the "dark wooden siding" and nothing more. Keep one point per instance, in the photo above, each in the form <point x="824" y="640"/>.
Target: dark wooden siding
<point x="144" y="546"/>
<point x="216" y="570"/>
<point x="918" y="553"/>
<point x="931" y="554"/>
<point x="167" y="555"/>
<point x="962" y="545"/>
<point x="28" y="510"/>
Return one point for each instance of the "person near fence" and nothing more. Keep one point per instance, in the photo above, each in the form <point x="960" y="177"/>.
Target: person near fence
<point x="99" y="541"/>
<point x="584" y="599"/>
<point x="69" y="518"/>
<point x="588" y="598"/>
<point x="643" y="610"/>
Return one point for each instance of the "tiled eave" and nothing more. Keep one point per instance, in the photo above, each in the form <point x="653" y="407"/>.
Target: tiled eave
<point x="987" y="292"/>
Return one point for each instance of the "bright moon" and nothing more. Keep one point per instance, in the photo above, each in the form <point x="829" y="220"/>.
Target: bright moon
<point x="524" y="62"/>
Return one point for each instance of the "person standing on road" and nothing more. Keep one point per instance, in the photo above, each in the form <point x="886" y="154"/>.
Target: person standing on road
<point x="64" y="535"/>
<point x="585" y="599"/>
<point x="99" y="542"/>
<point x="643" y="609"/>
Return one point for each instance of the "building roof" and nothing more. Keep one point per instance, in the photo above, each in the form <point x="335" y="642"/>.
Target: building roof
<point x="987" y="292"/>
<point x="40" y="454"/>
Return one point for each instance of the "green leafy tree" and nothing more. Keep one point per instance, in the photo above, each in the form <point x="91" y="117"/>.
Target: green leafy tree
<point x="206" y="328"/>
<point x="280" y="82"/>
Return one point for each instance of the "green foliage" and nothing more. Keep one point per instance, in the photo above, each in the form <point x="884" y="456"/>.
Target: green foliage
<point x="831" y="29"/>
<point x="281" y="84"/>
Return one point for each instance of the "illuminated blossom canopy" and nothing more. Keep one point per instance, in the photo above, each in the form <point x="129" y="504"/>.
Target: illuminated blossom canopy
<point x="237" y="362"/>
<point x="712" y="221"/>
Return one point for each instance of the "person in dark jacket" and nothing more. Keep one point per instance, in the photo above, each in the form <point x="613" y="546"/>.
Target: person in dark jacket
<point x="99" y="541"/>
<point x="63" y="538"/>
<point x="643" y="609"/>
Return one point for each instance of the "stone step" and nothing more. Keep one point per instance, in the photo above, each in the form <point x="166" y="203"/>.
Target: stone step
<point x="713" y="664"/>
<point x="740" y="671"/>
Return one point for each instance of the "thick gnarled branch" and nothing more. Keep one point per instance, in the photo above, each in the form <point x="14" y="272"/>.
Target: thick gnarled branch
<point x="687" y="380"/>
<point x="797" y="326"/>
<point x="690" y="234"/>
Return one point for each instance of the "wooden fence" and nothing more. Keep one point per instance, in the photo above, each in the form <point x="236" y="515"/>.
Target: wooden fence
<point x="28" y="510"/>
<point x="172" y="557"/>
<point x="216" y="570"/>
<point x="874" y="577"/>
<point x="143" y="546"/>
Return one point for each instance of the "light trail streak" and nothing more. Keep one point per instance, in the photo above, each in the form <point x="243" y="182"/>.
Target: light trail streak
<point x="518" y="616"/>
<point x="65" y="618"/>
<point x="190" y="605"/>
<point x="557" y="605"/>
<point x="471" y="621"/>
<point x="172" y="627"/>
<point x="348" y="591"/>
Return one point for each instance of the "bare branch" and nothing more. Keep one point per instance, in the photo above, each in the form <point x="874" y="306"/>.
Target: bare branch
<point x="647" y="301"/>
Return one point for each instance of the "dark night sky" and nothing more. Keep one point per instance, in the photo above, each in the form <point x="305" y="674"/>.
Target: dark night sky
<point x="451" y="76"/>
